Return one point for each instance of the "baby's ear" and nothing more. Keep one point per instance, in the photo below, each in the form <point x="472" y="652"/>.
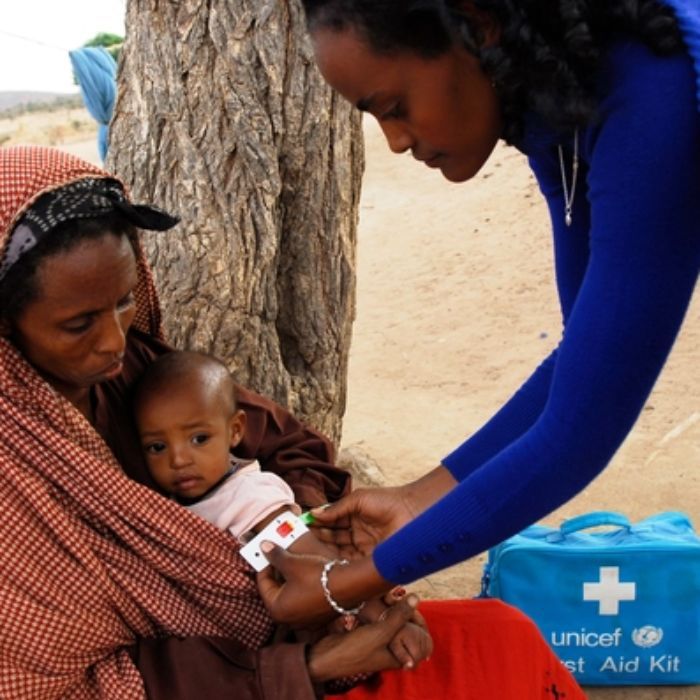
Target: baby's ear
<point x="238" y="423"/>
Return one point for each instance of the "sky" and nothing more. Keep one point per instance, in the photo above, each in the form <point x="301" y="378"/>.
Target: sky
<point x="36" y="35"/>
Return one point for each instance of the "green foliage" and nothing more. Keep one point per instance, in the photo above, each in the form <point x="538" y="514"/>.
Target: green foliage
<point x="111" y="42"/>
<point x="105" y="39"/>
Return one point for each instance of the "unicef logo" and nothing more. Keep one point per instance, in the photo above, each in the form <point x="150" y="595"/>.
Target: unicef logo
<point x="647" y="636"/>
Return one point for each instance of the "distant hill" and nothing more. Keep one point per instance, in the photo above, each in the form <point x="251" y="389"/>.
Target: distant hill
<point x="12" y="99"/>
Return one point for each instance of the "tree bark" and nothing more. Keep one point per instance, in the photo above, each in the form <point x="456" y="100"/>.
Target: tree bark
<point x="223" y="118"/>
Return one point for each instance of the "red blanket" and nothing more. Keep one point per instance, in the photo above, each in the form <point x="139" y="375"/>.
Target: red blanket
<point x="484" y="650"/>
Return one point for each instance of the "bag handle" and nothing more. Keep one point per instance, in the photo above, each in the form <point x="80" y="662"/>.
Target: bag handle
<point x="594" y="519"/>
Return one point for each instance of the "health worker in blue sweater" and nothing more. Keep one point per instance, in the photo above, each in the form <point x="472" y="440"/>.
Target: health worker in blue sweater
<point x="602" y="96"/>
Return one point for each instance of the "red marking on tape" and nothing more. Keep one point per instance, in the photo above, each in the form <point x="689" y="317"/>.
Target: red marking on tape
<point x="285" y="528"/>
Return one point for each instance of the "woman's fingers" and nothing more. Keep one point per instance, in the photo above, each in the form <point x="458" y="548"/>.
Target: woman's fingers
<point x="340" y="538"/>
<point x="268" y="585"/>
<point x="356" y="523"/>
<point x="336" y="514"/>
<point x="350" y="544"/>
<point x="365" y="517"/>
<point x="299" y="598"/>
<point x="332" y="526"/>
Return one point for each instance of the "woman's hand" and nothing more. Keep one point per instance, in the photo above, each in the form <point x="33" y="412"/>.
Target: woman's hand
<point x="366" y="648"/>
<point x="359" y="522"/>
<point x="299" y="599"/>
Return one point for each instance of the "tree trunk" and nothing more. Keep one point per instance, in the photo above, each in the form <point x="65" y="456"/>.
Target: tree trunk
<point x="223" y="118"/>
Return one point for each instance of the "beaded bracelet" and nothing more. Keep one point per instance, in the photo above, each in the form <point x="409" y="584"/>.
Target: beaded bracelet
<point x="326" y="592"/>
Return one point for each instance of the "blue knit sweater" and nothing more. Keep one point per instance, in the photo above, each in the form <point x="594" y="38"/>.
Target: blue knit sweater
<point x="626" y="269"/>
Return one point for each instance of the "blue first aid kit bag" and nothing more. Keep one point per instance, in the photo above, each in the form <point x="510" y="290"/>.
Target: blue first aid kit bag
<point x="619" y="606"/>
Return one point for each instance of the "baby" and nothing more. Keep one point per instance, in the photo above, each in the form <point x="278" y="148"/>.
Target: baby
<point x="189" y="426"/>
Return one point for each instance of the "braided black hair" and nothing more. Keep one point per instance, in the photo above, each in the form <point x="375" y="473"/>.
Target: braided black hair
<point x="547" y="56"/>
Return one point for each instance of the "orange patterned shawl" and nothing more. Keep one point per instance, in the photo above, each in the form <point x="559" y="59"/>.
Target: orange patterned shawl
<point x="90" y="560"/>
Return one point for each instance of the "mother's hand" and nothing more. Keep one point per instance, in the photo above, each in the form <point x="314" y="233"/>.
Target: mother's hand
<point x="366" y="648"/>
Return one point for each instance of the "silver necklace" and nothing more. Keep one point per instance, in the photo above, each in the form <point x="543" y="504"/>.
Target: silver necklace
<point x="569" y="194"/>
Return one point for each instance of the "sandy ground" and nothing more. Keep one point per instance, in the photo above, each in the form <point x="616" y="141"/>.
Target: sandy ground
<point x="456" y="306"/>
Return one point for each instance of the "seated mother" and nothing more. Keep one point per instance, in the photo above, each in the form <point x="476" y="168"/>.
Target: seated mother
<point x="108" y="589"/>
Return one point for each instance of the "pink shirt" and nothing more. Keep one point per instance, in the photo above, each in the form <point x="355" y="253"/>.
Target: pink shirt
<point x="244" y="499"/>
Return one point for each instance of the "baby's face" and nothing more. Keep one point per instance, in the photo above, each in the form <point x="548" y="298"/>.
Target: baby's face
<point x="186" y="436"/>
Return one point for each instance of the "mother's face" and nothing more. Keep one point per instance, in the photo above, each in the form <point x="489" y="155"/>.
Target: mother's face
<point x="444" y="109"/>
<point x="74" y="331"/>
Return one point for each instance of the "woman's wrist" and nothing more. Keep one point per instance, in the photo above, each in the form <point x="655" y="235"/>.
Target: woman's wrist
<point x="329" y="596"/>
<point x="428" y="489"/>
<point x="356" y="582"/>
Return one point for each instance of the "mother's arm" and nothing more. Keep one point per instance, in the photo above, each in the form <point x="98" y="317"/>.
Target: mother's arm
<point x="175" y="668"/>
<point x="180" y="669"/>
<point x="282" y="444"/>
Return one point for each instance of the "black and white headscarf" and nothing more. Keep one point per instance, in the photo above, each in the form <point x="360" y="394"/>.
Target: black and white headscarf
<point x="82" y="199"/>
